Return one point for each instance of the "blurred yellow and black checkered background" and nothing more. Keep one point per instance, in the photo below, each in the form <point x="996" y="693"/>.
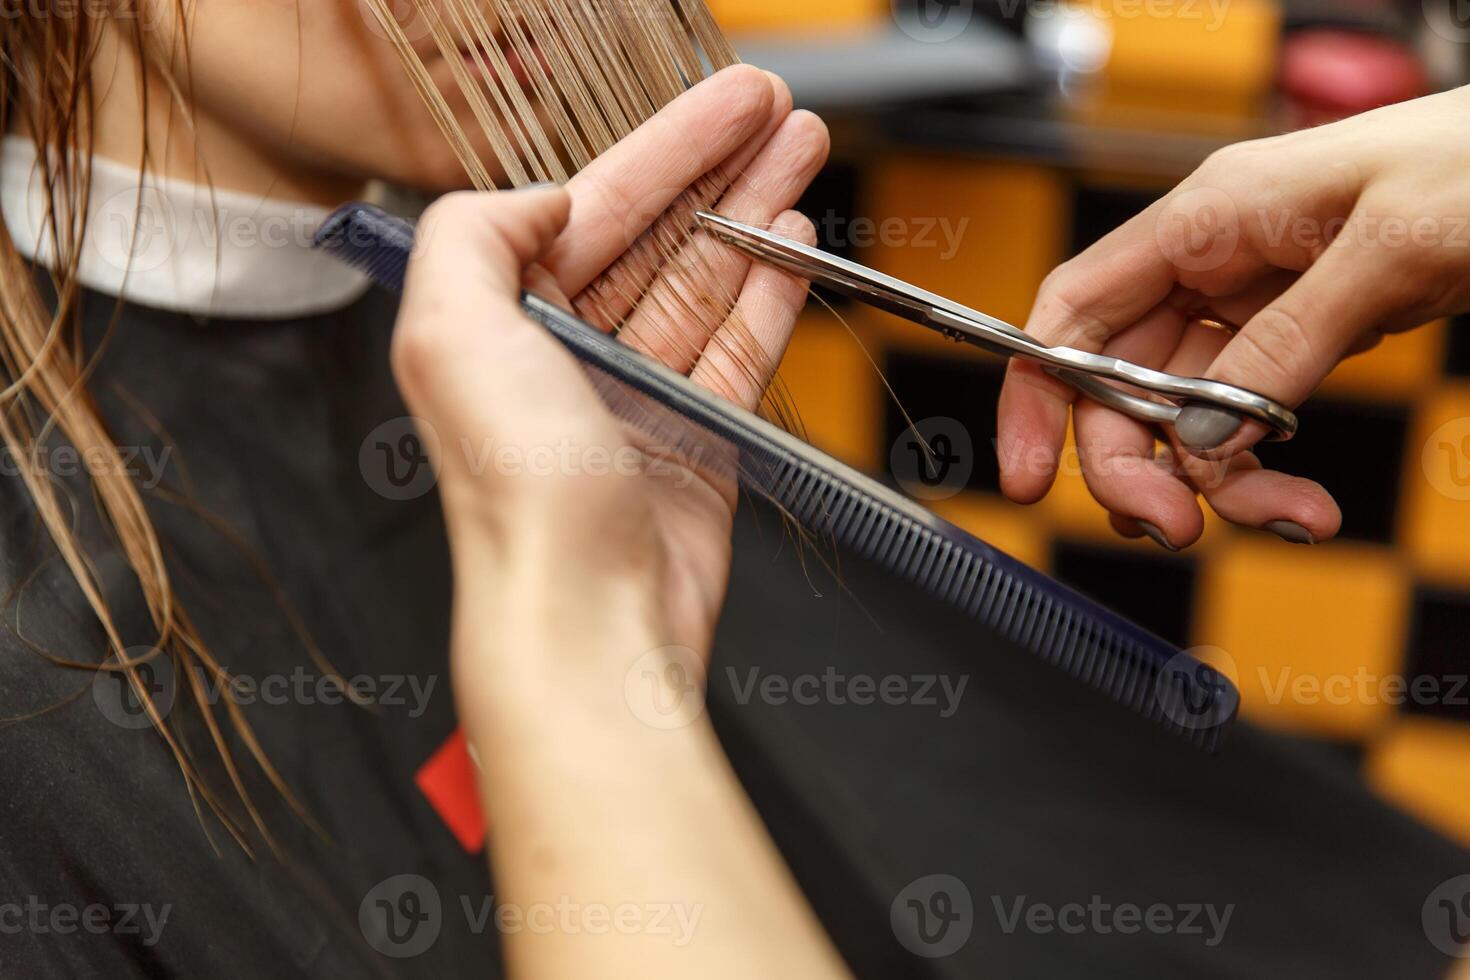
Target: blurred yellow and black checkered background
<point x="1361" y="642"/>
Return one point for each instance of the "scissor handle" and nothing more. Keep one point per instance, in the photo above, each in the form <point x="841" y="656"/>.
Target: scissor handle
<point x="1134" y="406"/>
<point x="1092" y="372"/>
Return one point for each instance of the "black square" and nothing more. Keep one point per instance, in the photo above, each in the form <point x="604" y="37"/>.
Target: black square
<point x="1439" y="656"/>
<point x="1155" y="591"/>
<point x="1356" y="451"/>
<point x="1457" y="355"/>
<point x="1096" y="211"/>
<point x="832" y="203"/>
<point x="932" y="389"/>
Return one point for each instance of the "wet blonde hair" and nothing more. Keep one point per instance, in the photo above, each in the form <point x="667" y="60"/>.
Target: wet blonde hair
<point x="47" y="93"/>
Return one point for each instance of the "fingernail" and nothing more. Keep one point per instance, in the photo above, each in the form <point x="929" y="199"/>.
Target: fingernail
<point x="544" y="185"/>
<point x="1291" y="532"/>
<point x="1205" y="427"/>
<point x="1157" y="535"/>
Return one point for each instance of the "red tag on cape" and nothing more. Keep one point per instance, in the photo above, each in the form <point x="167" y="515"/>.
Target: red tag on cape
<point x="450" y="783"/>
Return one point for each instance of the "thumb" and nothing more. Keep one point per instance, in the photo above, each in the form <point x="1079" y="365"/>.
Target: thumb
<point x="470" y="364"/>
<point x="461" y="300"/>
<point x="483" y="241"/>
<point x="472" y="252"/>
<point x="1286" y="350"/>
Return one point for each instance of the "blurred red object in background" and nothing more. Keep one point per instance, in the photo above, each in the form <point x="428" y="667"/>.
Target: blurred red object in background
<point x="1329" y="74"/>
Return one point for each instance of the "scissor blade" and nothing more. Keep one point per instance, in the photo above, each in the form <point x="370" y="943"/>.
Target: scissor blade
<point x="823" y="268"/>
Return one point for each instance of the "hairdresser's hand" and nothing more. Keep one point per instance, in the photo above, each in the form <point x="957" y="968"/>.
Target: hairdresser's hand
<point x="653" y="544"/>
<point x="1317" y="243"/>
<point x="572" y="581"/>
<point x="576" y="568"/>
<point x="538" y="479"/>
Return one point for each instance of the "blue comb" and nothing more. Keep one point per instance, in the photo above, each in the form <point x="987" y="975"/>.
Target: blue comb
<point x="829" y="499"/>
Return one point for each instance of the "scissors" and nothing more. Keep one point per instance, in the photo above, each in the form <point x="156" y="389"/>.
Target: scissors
<point x="1098" y="376"/>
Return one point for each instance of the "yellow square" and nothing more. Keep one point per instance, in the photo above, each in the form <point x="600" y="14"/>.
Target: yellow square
<point x="1313" y="636"/>
<point x="1018" y="532"/>
<point x="982" y="233"/>
<point x="1436" y="509"/>
<point x="1221" y="62"/>
<point x="1071" y="506"/>
<point x="1423" y="767"/>
<point x="758" y="15"/>
<point x="1397" y="368"/>
<point x="835" y="389"/>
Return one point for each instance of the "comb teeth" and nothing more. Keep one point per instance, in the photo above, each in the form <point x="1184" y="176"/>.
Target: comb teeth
<point x="828" y="498"/>
<point x="1109" y="654"/>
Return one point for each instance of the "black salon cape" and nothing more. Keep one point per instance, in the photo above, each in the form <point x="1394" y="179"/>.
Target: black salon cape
<point x="1033" y="791"/>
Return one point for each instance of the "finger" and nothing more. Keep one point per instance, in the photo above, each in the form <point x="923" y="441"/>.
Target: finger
<point x="1118" y="453"/>
<point x="1106" y="289"/>
<point x="1032" y="422"/>
<point x="1236" y="307"/>
<point x="486" y="239"/>
<point x="465" y="356"/>
<point x="742" y="356"/>
<point x="1084" y="302"/>
<point x="698" y="289"/>
<point x="657" y="229"/>
<point x="1287" y="349"/>
<point x="647" y="171"/>
<point x="1241" y="490"/>
<point x="1231" y="310"/>
<point x="1123" y="473"/>
<point x="1126" y="527"/>
<point x="1295" y="509"/>
<point x="1172" y="519"/>
<point x="1193" y="238"/>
